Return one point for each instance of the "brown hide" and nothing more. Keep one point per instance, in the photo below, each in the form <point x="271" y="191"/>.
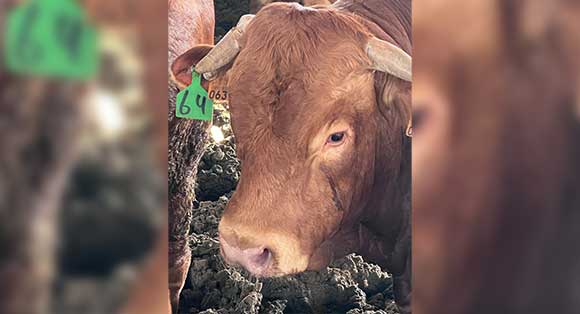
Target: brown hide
<point x="190" y="23"/>
<point x="495" y="160"/>
<point x="256" y="5"/>
<point x="306" y="201"/>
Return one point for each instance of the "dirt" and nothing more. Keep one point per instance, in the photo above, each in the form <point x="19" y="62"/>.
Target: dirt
<point x="218" y="170"/>
<point x="350" y="285"/>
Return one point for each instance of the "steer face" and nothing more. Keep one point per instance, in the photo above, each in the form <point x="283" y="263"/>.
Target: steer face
<point x="306" y="119"/>
<point x="305" y="159"/>
<point x="319" y="108"/>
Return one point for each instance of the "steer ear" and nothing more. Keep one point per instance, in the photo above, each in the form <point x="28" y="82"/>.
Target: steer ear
<point x="397" y="95"/>
<point x="214" y="83"/>
<point x="183" y="66"/>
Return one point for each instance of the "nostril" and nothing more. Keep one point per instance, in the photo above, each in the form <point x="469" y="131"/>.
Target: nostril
<point x="257" y="260"/>
<point x="262" y="259"/>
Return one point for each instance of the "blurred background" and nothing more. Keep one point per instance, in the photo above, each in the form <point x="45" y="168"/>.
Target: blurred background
<point x="83" y="166"/>
<point x="496" y="151"/>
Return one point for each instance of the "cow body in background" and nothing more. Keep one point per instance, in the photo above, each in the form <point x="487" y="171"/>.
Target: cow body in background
<point x="40" y="121"/>
<point x="190" y="23"/>
<point x="320" y="106"/>
<point x="187" y="23"/>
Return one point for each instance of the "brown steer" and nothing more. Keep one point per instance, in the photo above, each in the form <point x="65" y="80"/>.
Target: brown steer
<point x="496" y="191"/>
<point x="320" y="104"/>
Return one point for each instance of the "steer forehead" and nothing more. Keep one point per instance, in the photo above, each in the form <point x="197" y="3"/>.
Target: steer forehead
<point x="295" y="69"/>
<point x="295" y="40"/>
<point x="291" y="116"/>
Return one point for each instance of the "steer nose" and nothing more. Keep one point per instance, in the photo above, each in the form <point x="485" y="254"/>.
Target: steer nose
<point x="255" y="259"/>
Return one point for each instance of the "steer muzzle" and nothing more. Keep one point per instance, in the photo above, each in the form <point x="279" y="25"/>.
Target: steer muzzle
<point x="262" y="253"/>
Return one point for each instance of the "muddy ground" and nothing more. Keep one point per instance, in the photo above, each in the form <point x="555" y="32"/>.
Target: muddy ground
<point x="349" y="285"/>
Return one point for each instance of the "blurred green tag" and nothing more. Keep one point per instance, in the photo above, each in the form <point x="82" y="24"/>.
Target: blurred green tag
<point x="194" y="102"/>
<point x="52" y="38"/>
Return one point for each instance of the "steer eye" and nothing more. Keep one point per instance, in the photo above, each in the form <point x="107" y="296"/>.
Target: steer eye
<point x="335" y="138"/>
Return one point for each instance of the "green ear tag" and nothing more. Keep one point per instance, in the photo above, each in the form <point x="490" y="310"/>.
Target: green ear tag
<point x="50" y="38"/>
<point x="194" y="102"/>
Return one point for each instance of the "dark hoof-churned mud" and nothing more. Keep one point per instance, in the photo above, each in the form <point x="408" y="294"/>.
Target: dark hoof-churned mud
<point x="349" y="285"/>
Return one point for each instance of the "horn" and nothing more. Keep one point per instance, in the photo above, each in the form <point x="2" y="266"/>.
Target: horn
<point x="389" y="58"/>
<point x="226" y="50"/>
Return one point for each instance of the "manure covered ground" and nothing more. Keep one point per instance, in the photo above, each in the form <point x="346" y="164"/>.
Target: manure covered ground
<point x="349" y="285"/>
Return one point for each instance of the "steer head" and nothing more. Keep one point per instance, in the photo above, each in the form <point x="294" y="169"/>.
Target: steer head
<point x="319" y="109"/>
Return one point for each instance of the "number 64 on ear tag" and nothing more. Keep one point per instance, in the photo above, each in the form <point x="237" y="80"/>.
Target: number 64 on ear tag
<point x="194" y="102"/>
